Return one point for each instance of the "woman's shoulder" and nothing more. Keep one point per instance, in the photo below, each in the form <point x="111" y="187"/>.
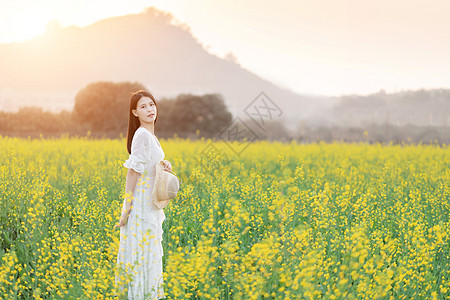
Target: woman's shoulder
<point x="141" y="134"/>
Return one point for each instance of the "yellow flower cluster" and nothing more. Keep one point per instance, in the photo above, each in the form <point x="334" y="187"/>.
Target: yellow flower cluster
<point x="279" y="221"/>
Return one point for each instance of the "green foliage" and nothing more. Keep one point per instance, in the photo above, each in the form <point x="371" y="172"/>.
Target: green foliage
<point x="104" y="106"/>
<point x="208" y="114"/>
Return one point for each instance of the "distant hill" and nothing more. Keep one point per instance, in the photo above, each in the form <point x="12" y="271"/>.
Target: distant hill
<point x="149" y="48"/>
<point x="419" y="108"/>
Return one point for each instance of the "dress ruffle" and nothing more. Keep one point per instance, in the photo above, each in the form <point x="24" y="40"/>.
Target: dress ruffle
<point x="138" y="161"/>
<point x="135" y="163"/>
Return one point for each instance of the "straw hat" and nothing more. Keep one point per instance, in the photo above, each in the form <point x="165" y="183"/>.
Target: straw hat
<point x="165" y="188"/>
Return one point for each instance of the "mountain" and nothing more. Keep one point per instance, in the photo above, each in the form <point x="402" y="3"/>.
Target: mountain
<point x="419" y="108"/>
<point x="150" y="48"/>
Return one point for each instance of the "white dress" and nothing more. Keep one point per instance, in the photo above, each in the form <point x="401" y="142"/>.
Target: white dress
<point x="140" y="251"/>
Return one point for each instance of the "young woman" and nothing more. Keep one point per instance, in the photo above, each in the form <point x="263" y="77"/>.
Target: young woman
<point x="139" y="258"/>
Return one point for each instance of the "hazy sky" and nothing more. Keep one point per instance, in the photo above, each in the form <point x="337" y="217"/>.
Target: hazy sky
<point x="327" y="47"/>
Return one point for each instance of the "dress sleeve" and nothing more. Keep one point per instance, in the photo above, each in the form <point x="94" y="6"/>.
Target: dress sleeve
<point x="139" y="153"/>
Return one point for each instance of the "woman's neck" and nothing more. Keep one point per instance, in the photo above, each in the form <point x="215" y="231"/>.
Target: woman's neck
<point x="149" y="127"/>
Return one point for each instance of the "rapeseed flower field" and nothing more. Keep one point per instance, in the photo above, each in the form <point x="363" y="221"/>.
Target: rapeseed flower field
<point x="278" y="221"/>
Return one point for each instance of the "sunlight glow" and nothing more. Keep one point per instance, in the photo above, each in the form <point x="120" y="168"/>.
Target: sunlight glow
<point x="27" y="19"/>
<point x="24" y="27"/>
<point x="319" y="47"/>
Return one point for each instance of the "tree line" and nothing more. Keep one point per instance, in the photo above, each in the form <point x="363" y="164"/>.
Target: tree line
<point x="101" y="111"/>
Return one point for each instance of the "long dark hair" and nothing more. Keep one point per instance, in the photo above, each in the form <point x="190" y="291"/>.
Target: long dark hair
<point x="133" y="121"/>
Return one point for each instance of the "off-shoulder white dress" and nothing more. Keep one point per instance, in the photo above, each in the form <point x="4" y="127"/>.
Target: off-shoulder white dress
<point x="140" y="252"/>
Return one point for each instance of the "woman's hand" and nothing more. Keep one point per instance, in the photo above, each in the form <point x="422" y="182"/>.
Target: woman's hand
<point x="167" y="166"/>
<point x="123" y="219"/>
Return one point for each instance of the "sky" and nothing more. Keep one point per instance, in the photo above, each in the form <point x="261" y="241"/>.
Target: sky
<point x="321" y="47"/>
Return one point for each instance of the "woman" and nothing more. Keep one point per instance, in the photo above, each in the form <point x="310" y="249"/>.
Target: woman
<point x="140" y="252"/>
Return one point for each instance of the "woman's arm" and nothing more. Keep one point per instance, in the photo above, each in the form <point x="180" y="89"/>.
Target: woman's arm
<point x="131" y="181"/>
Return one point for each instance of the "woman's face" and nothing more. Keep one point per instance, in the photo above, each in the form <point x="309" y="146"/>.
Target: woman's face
<point x="145" y="110"/>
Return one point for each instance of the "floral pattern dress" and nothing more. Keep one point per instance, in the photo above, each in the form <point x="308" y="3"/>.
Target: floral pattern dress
<point x="139" y="258"/>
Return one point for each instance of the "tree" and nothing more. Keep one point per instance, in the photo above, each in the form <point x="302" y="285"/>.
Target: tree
<point x="207" y="113"/>
<point x="104" y="105"/>
<point x="164" y="124"/>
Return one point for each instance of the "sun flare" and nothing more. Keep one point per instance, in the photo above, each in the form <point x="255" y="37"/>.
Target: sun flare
<point x="24" y="27"/>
